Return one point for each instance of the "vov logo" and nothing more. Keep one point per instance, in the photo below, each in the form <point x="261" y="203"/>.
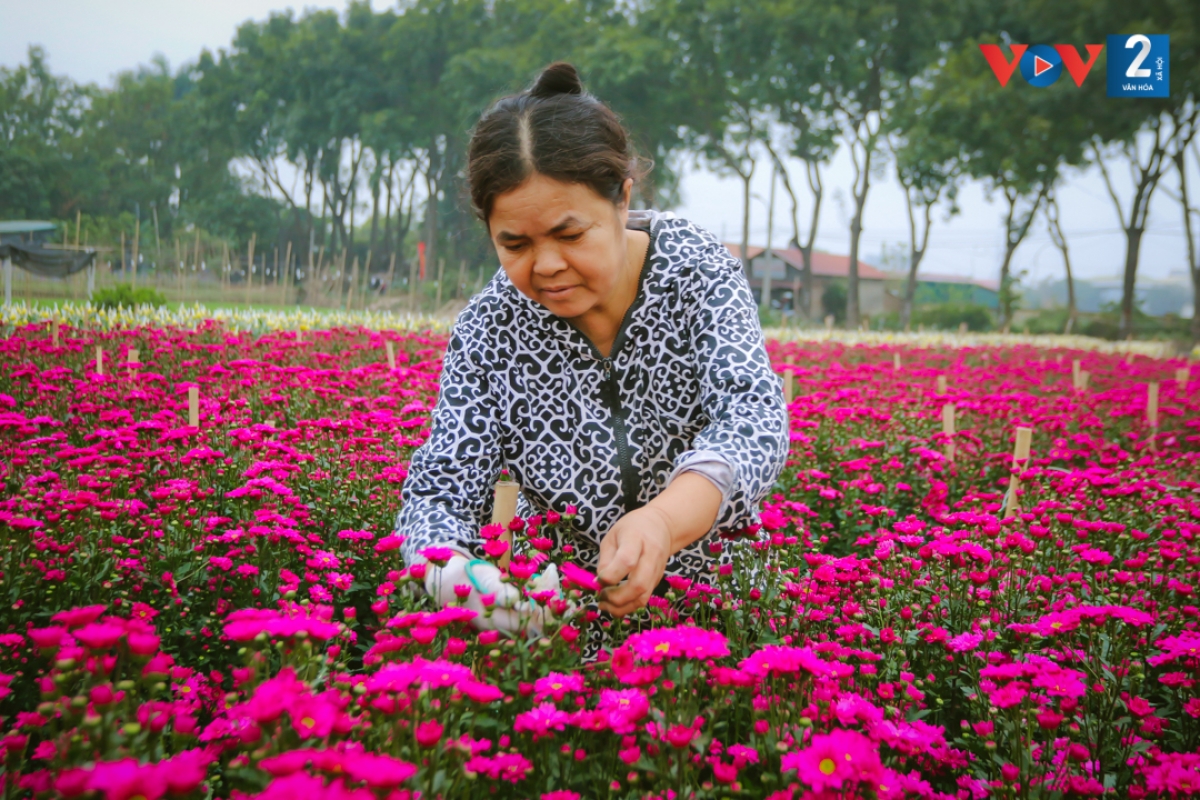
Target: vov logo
<point x="1138" y="64"/>
<point x="1041" y="65"/>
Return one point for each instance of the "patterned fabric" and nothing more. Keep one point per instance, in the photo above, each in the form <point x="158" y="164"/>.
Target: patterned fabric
<point x="688" y="382"/>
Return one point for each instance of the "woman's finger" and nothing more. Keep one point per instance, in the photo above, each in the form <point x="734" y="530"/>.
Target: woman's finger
<point x="622" y="563"/>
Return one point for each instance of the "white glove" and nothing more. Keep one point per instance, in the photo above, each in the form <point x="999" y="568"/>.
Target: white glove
<point x="510" y="613"/>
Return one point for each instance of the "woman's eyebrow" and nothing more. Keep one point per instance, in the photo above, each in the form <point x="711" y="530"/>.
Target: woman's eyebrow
<point x="568" y="222"/>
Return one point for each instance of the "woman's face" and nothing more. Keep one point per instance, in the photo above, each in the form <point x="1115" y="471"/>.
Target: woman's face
<point x="561" y="244"/>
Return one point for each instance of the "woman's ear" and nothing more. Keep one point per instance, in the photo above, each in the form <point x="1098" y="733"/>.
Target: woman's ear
<point x="626" y="192"/>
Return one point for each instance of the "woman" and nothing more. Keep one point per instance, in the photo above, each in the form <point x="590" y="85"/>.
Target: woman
<point x="616" y="363"/>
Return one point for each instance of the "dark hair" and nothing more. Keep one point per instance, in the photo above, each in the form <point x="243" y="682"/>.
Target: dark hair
<point x="553" y="128"/>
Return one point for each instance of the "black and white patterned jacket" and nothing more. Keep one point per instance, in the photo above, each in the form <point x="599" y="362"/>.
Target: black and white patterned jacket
<point x="688" y="384"/>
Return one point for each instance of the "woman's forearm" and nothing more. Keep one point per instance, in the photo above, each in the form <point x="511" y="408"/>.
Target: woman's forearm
<point x="689" y="505"/>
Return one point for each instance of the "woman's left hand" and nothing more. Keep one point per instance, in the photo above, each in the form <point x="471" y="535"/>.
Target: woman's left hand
<point x="634" y="550"/>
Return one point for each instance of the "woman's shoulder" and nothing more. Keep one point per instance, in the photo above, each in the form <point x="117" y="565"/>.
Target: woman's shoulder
<point x="693" y="256"/>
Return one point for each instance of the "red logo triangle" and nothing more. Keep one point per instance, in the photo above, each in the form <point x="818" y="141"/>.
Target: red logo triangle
<point x="1040" y="65"/>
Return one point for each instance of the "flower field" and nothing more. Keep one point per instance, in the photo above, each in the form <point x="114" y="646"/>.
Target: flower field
<point x="220" y="609"/>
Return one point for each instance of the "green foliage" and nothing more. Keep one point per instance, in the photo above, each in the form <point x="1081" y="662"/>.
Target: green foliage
<point x="124" y="295"/>
<point x="833" y="301"/>
<point x="949" y="316"/>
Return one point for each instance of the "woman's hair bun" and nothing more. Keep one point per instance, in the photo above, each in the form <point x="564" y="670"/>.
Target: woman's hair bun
<point x="558" y="78"/>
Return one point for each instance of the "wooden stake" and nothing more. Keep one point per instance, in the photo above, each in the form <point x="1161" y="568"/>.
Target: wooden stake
<point x="1075" y="373"/>
<point x="948" y="429"/>
<point x="789" y="387"/>
<point x="441" y="271"/>
<point x="137" y="235"/>
<point x="287" y="272"/>
<point x="391" y="355"/>
<point x="1084" y="376"/>
<point x="896" y="362"/>
<point x="54" y="333"/>
<point x="1152" y="404"/>
<point x="99" y="360"/>
<point x="193" y="407"/>
<point x="1181" y="376"/>
<point x="1020" y="456"/>
<point x="504" y="508"/>
<point x="134" y="362"/>
<point x="391" y="273"/>
<point x="250" y="266"/>
<point x="941" y="384"/>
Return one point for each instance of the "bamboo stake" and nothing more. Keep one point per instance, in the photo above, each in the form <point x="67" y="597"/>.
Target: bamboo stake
<point x="412" y="286"/>
<point x="366" y="280"/>
<point x="948" y="429"/>
<point x="441" y="269"/>
<point x="1020" y="456"/>
<point x="287" y="273"/>
<point x="137" y="236"/>
<point x="391" y="272"/>
<point x="193" y="407"/>
<point x="250" y="266"/>
<point x="391" y="356"/>
<point x="504" y="508"/>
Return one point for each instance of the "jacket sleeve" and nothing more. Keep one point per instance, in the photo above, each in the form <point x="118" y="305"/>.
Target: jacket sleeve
<point x="452" y="475"/>
<point x="739" y="391"/>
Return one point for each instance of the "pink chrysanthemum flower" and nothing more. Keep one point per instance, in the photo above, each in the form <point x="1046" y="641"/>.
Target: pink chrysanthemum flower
<point x="682" y="642"/>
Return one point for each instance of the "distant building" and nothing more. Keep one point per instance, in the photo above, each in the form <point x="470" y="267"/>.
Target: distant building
<point x="25" y="231"/>
<point x="941" y="289"/>
<point x="785" y="267"/>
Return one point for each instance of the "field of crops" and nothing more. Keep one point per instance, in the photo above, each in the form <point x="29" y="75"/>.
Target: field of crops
<point x="219" y="609"/>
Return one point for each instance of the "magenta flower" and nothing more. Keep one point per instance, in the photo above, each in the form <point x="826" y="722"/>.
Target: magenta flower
<point x="683" y="642"/>
<point x="837" y="760"/>
<point x="576" y="576"/>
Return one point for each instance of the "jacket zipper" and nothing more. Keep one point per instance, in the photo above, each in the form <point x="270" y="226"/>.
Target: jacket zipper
<point x="630" y="484"/>
<point x="629" y="476"/>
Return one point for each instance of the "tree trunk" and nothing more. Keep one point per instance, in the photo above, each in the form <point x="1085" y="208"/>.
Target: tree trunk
<point x="1133" y="246"/>
<point x="853" y="313"/>
<point x="1060" y="241"/>
<point x="746" y="176"/>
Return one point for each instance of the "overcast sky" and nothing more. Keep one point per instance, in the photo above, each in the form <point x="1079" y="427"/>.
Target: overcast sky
<point x="91" y="41"/>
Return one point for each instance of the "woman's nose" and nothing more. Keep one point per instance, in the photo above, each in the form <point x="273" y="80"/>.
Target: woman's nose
<point x="548" y="261"/>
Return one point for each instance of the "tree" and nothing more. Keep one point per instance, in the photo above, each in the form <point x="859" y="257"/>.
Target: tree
<point x="871" y="50"/>
<point x="927" y="167"/>
<point x="1060" y="241"/>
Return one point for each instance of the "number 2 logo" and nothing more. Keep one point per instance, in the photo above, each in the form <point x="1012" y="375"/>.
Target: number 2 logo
<point x="1135" y="68"/>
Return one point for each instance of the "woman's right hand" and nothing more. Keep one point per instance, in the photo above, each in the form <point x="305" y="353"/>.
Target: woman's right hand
<point x="497" y="604"/>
